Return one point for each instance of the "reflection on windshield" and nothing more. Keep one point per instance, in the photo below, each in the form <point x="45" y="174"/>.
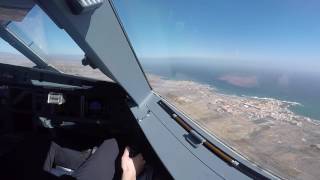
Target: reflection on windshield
<point x="52" y="44"/>
<point x="245" y="71"/>
<point x="39" y="32"/>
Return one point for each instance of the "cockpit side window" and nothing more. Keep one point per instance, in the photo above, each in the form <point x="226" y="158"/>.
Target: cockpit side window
<point x="9" y="55"/>
<point x="52" y="44"/>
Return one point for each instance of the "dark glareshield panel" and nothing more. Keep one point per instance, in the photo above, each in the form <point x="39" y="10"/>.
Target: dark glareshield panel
<point x="14" y="10"/>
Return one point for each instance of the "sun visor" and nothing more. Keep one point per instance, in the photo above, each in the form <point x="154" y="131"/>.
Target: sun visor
<point x="14" y="10"/>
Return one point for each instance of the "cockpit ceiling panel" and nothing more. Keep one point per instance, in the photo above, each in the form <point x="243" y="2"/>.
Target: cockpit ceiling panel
<point x="14" y="10"/>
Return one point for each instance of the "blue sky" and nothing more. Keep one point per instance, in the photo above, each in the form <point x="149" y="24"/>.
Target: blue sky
<point x="265" y="30"/>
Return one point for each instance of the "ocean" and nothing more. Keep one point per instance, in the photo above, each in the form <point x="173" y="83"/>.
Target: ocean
<point x="244" y="80"/>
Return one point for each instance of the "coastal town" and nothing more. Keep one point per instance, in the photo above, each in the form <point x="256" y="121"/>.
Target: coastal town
<point x="263" y="130"/>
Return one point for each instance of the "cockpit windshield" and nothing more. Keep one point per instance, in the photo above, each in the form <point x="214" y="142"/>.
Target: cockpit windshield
<point x="246" y="71"/>
<point x="52" y="44"/>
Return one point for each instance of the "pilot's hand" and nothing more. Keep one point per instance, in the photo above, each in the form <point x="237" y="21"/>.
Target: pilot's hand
<point x="131" y="167"/>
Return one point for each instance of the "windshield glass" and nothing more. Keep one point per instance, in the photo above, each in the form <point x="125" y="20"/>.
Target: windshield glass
<point x="9" y="55"/>
<point x="246" y="71"/>
<point x="53" y="44"/>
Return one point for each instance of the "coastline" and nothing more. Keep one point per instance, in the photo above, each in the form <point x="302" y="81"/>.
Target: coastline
<point x="264" y="130"/>
<point x="295" y="107"/>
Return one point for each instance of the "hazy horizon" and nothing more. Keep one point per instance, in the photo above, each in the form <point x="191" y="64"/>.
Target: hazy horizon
<point x="271" y="34"/>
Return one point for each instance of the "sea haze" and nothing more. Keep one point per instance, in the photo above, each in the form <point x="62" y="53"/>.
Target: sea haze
<point x="239" y="79"/>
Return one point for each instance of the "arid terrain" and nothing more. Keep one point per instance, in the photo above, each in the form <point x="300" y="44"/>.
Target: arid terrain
<point x="263" y="130"/>
<point x="79" y="70"/>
